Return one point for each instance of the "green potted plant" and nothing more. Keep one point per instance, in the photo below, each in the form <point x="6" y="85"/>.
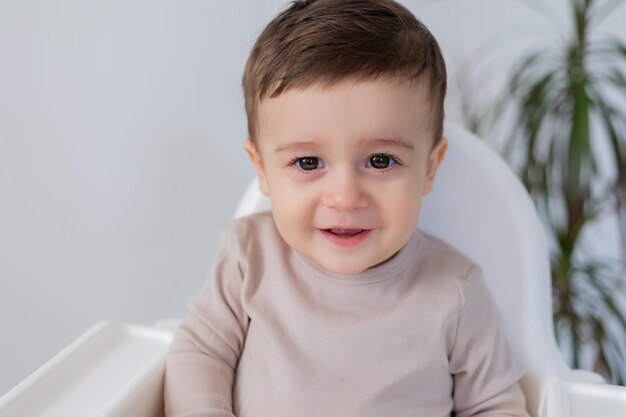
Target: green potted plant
<point x="562" y="102"/>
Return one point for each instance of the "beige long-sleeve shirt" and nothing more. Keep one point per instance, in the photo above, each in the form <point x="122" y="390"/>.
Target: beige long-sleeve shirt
<point x="272" y="334"/>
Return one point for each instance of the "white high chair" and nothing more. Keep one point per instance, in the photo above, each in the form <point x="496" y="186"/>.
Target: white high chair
<point x="478" y="205"/>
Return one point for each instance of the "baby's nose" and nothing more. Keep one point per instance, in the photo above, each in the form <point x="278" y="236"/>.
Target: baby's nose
<point x="344" y="191"/>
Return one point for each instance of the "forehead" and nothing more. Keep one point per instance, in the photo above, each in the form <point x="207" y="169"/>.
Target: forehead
<point x="355" y="111"/>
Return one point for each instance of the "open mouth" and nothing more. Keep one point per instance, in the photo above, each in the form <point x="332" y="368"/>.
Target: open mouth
<point x="346" y="237"/>
<point x="345" y="232"/>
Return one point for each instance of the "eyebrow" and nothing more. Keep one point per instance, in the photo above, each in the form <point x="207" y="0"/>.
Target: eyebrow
<point x="295" y="145"/>
<point x="396" y="142"/>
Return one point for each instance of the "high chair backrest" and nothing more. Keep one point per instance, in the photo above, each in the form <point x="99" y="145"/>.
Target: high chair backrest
<point x="480" y="207"/>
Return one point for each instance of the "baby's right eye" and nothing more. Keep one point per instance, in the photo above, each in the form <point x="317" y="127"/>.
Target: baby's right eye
<point x="307" y="163"/>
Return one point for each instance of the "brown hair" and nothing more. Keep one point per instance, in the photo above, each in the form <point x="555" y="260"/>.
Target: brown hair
<point x="327" y="41"/>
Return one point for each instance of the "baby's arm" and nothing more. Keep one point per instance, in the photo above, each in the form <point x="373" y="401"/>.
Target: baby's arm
<point x="200" y="366"/>
<point x="485" y="375"/>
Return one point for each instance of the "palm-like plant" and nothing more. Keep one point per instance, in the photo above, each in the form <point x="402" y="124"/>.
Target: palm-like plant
<point x="565" y="102"/>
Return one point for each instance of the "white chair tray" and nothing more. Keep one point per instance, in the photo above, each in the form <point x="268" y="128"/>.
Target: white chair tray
<point x="112" y="369"/>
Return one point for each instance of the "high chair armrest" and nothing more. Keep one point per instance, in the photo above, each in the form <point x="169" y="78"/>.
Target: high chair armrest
<point x="113" y="369"/>
<point x="579" y="398"/>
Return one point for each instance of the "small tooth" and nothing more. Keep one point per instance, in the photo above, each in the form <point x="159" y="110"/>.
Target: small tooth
<point x="346" y="231"/>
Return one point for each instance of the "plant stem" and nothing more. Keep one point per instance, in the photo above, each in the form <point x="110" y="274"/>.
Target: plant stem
<point x="621" y="210"/>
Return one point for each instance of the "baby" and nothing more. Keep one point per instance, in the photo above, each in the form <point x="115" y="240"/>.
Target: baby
<point x="334" y="303"/>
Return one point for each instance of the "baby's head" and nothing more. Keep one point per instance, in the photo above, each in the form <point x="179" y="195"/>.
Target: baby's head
<point x="344" y="100"/>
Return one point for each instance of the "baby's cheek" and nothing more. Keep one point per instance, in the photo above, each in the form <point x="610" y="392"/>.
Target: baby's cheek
<point x="403" y="201"/>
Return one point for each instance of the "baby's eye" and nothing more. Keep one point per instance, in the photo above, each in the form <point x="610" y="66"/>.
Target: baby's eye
<point x="308" y="163"/>
<point x="381" y="161"/>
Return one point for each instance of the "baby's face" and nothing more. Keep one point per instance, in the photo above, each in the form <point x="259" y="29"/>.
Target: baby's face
<point x="356" y="155"/>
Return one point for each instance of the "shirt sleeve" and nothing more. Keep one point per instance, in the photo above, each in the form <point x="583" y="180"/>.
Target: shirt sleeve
<point x="201" y="362"/>
<point x="486" y="378"/>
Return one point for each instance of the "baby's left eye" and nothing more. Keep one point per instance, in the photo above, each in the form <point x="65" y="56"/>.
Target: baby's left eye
<point x="381" y="161"/>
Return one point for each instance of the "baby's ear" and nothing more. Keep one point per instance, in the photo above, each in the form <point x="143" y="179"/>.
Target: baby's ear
<point x="255" y="157"/>
<point x="434" y="160"/>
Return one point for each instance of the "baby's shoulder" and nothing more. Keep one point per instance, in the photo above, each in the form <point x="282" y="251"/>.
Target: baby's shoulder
<point x="253" y="230"/>
<point x="439" y="258"/>
<point x="447" y="274"/>
<point x="255" y="240"/>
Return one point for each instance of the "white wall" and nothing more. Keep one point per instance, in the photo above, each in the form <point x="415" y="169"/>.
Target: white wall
<point x="121" y="125"/>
